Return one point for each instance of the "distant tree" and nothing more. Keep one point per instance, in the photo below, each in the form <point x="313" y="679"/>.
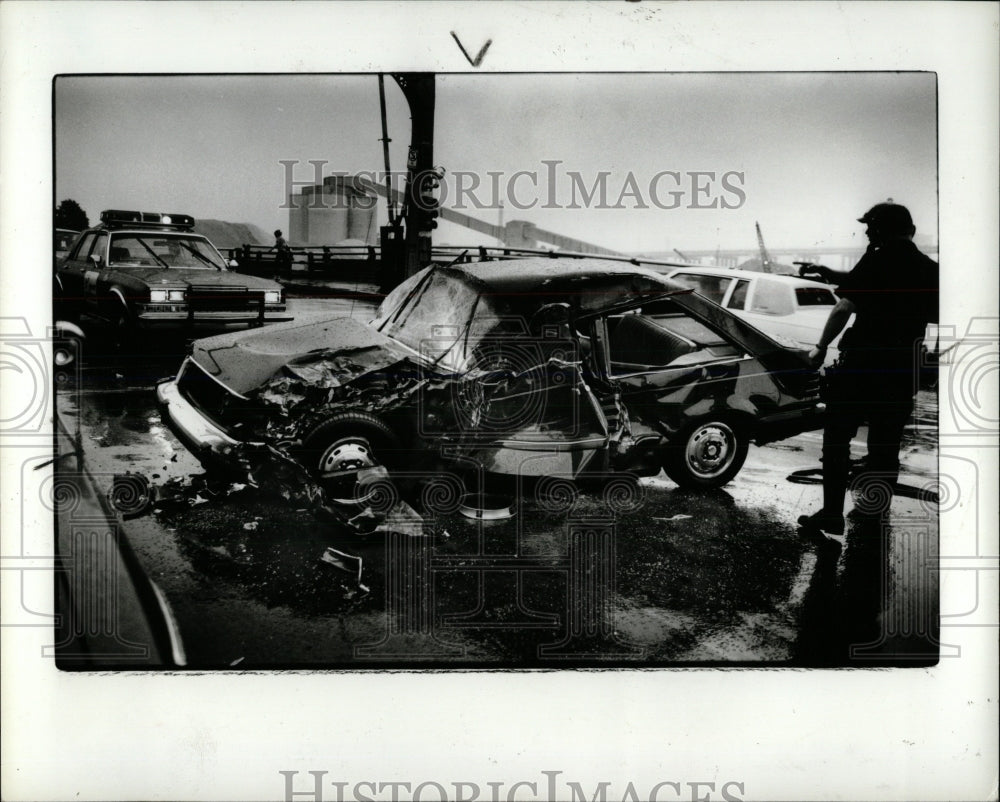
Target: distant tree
<point x="70" y="215"/>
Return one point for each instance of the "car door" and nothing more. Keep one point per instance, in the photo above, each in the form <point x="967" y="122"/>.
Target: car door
<point x="528" y="406"/>
<point x="95" y="277"/>
<point x="70" y="277"/>
<point x="670" y="367"/>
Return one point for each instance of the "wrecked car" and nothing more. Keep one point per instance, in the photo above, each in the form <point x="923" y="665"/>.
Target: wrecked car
<point x="535" y="367"/>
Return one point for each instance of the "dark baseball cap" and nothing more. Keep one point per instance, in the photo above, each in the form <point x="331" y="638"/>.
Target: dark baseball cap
<point x="889" y="217"/>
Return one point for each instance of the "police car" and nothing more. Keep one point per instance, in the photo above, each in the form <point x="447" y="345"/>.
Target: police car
<point x="150" y="271"/>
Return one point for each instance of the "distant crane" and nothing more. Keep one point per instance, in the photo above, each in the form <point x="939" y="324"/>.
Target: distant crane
<point x="765" y="258"/>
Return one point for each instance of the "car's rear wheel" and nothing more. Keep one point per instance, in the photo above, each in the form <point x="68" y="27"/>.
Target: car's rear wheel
<point x="335" y="450"/>
<point x="706" y="454"/>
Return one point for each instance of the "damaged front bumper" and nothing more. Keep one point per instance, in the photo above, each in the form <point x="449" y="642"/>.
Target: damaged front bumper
<point x="210" y="444"/>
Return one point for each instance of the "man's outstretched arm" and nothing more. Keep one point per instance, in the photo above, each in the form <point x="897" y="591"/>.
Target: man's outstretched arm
<point x="828" y="274"/>
<point x="839" y="316"/>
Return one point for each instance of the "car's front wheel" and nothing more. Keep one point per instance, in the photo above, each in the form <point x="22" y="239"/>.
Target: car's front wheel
<point x="335" y="450"/>
<point x="706" y="454"/>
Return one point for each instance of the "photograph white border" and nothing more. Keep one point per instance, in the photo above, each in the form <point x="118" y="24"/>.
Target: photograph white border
<point x="783" y="734"/>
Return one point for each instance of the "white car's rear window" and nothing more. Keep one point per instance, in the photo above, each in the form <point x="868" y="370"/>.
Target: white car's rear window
<point x="814" y="296"/>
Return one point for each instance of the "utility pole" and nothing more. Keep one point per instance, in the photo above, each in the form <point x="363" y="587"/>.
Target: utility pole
<point x="420" y="202"/>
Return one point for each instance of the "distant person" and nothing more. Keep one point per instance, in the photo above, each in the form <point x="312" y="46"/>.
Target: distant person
<point x="284" y="253"/>
<point x="893" y="294"/>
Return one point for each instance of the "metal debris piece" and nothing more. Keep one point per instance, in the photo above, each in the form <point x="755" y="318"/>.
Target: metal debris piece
<point x="486" y="507"/>
<point x="342" y="561"/>
<point x="364" y="522"/>
<point x="405" y="520"/>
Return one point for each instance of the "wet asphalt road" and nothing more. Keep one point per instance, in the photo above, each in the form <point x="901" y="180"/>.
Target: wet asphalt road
<point x="626" y="574"/>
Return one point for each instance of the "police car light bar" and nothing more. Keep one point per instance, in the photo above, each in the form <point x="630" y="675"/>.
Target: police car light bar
<point x="120" y="218"/>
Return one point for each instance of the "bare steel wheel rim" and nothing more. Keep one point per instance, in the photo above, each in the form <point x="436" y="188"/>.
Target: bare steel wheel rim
<point x="710" y="450"/>
<point x="349" y="454"/>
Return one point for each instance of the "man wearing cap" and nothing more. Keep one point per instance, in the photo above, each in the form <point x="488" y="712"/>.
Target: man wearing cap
<point x="893" y="294"/>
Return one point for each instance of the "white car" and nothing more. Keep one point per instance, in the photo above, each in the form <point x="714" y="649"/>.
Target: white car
<point x="785" y="307"/>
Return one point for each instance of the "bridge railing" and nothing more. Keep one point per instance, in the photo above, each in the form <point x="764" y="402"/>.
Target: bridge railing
<point x="364" y="261"/>
<point x="322" y="260"/>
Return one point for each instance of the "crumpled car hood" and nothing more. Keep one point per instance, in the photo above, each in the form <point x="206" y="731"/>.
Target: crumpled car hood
<point x="245" y="360"/>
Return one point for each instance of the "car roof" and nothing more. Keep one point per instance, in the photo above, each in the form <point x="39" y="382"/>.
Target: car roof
<point x="735" y="272"/>
<point x="554" y="274"/>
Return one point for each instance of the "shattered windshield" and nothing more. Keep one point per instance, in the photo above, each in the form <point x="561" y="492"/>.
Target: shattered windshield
<point x="164" y="250"/>
<point x="433" y="313"/>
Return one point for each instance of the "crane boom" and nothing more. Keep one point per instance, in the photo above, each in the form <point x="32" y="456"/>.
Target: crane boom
<point x="765" y="259"/>
<point x="526" y="232"/>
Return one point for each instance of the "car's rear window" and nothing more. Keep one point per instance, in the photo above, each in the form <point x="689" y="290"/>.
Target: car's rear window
<point x="814" y="296"/>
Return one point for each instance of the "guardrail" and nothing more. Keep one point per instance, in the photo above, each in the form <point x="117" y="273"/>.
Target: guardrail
<point x="354" y="262"/>
<point x="327" y="260"/>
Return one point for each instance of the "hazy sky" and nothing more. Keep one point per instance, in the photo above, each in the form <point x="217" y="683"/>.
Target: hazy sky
<point x="814" y="149"/>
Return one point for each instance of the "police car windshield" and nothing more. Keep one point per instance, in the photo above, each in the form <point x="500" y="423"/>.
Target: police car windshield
<point x="164" y="251"/>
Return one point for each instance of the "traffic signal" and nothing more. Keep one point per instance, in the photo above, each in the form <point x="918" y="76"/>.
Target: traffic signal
<point x="428" y="204"/>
